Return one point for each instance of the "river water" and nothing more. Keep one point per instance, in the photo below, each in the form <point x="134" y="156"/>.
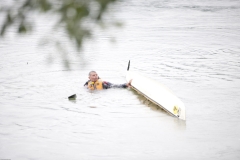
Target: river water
<point x="191" y="46"/>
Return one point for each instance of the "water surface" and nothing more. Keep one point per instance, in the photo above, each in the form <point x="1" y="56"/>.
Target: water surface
<point x="190" y="46"/>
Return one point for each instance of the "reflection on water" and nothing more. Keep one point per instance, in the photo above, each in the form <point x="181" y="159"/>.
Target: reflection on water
<point x="180" y="124"/>
<point x="190" y="46"/>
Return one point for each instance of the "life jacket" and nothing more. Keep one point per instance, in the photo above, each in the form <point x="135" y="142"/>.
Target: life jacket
<point x="95" y="85"/>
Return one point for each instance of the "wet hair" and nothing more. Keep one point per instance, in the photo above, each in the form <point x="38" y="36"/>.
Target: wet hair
<point x="93" y="72"/>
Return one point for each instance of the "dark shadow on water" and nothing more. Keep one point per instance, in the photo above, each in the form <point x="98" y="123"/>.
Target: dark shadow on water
<point x="72" y="100"/>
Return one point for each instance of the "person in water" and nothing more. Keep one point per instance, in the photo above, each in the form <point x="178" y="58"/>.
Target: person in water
<point x="95" y="82"/>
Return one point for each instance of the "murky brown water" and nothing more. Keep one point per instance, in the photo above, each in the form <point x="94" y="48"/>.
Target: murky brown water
<point x="190" y="46"/>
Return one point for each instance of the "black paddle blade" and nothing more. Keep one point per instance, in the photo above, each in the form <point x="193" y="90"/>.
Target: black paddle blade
<point x="128" y="65"/>
<point x="72" y="97"/>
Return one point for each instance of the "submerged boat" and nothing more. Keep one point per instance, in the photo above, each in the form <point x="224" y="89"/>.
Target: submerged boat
<point x="157" y="93"/>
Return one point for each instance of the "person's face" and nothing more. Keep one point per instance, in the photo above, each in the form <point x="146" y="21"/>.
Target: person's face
<point x="93" y="77"/>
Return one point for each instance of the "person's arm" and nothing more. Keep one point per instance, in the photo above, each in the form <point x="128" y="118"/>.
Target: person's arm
<point x="86" y="83"/>
<point x="107" y="85"/>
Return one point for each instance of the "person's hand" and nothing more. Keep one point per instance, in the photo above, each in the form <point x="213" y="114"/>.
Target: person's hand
<point x="129" y="83"/>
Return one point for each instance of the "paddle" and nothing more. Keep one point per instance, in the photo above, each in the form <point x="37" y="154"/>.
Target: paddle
<point x="72" y="97"/>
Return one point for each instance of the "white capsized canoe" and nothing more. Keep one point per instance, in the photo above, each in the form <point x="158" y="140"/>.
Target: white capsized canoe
<point x="157" y="93"/>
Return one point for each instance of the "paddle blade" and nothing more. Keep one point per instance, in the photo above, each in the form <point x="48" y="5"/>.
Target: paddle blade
<point x="72" y="97"/>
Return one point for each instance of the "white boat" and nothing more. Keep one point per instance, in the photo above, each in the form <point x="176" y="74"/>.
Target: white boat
<point x="157" y="93"/>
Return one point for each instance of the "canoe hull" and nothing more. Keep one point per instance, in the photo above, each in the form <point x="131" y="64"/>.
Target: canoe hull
<point x="158" y="94"/>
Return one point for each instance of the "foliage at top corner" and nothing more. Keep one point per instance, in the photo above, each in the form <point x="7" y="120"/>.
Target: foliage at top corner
<point x="71" y="13"/>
